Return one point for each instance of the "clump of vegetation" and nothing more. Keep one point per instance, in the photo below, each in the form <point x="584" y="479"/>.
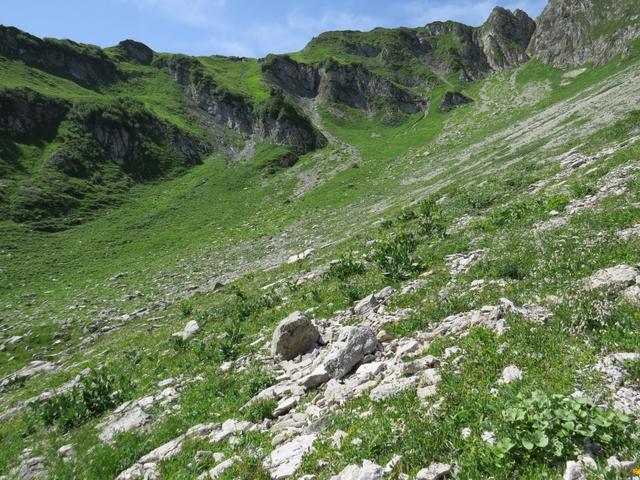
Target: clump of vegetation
<point x="97" y="393"/>
<point x="558" y="202"/>
<point x="555" y="427"/>
<point x="261" y="409"/>
<point x="431" y="219"/>
<point x="186" y="308"/>
<point x="396" y="255"/>
<point x="351" y="291"/>
<point x="346" y="267"/>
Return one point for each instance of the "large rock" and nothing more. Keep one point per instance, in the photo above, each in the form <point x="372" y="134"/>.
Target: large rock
<point x="31" y="469"/>
<point x="352" y="345"/>
<point x="435" y="471"/>
<point x="453" y="100"/>
<point x="35" y="367"/>
<point x="295" y="335"/>
<point x="620" y="276"/>
<point x="189" y="331"/>
<point x="131" y="420"/>
<point x="285" y="460"/>
<point x="392" y="388"/>
<point x="368" y="471"/>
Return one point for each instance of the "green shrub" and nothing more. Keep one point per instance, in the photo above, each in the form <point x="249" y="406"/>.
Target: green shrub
<point x="186" y="307"/>
<point x="395" y="255"/>
<point x="580" y="189"/>
<point x="96" y="394"/>
<point x="230" y="343"/>
<point x="351" y="291"/>
<point x="346" y="267"/>
<point x="258" y="411"/>
<point x="558" y="202"/>
<point x="552" y="428"/>
<point x="431" y="219"/>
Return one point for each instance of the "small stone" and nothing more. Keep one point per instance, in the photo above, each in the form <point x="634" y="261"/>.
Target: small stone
<point x="66" y="452"/>
<point x="285" y="460"/>
<point x="350" y="349"/>
<point x="337" y="437"/>
<point x="510" y="374"/>
<point x="435" y="471"/>
<point x="620" y="276"/>
<point x="285" y="405"/>
<point x="315" y="378"/>
<point x="219" y="469"/>
<point x="391" y="464"/>
<point x="189" y="331"/>
<point x="368" y="471"/>
<point x="573" y="471"/>
<point x="488" y="437"/>
<point x="366" y="305"/>
<point x="391" y="388"/>
<point x="465" y="433"/>
<point x="384" y="336"/>
<point x="426" y="392"/>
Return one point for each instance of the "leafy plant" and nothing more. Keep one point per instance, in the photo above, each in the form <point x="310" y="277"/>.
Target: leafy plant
<point x="431" y="219"/>
<point x="558" y="202"/>
<point x="186" y="307"/>
<point x="346" y="267"/>
<point x="230" y="343"/>
<point x="97" y="393"/>
<point x="261" y="409"/>
<point x="395" y="255"/>
<point x="555" y="427"/>
<point x="351" y="291"/>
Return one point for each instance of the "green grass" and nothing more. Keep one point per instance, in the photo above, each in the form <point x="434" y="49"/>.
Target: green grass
<point x="231" y="220"/>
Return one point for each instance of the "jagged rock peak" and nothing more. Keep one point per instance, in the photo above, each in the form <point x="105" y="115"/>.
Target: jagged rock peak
<point x="575" y="32"/>
<point x="136" y="52"/>
<point x="505" y="36"/>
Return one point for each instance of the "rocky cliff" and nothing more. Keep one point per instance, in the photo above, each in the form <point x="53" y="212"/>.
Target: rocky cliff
<point x="575" y="32"/>
<point x="277" y="120"/>
<point x="86" y="65"/>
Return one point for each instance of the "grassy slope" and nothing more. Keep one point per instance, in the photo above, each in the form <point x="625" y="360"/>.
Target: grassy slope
<point x="180" y="231"/>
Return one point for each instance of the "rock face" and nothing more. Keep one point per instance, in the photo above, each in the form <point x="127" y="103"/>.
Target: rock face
<point x="86" y="65"/>
<point x="295" y="335"/>
<point x="574" y="32"/>
<point x="504" y="38"/>
<point x="277" y="120"/>
<point x="26" y="114"/>
<point x="31" y="469"/>
<point x="453" y="100"/>
<point x="123" y="132"/>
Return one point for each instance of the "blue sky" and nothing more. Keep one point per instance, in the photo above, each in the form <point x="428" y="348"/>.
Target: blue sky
<point x="233" y="27"/>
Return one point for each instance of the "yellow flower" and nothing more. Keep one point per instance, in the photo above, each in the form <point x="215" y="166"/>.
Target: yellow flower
<point x="636" y="471"/>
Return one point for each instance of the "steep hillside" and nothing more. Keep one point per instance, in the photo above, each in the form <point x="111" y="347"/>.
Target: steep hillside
<point x="397" y="254"/>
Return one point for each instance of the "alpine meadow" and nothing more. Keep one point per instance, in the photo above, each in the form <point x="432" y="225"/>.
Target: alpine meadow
<point x="407" y="253"/>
